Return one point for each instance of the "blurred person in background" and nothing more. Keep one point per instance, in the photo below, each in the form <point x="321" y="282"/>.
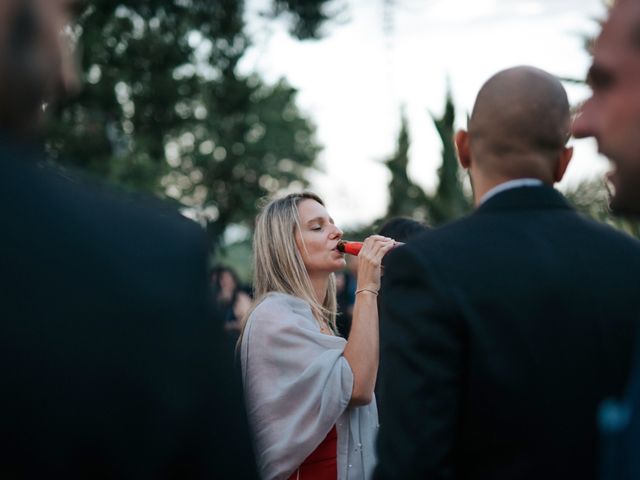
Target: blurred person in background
<point x="111" y="366"/>
<point x="309" y="392"/>
<point x="612" y="117"/>
<point x="345" y="296"/>
<point x="232" y="301"/>
<point x="402" y="229"/>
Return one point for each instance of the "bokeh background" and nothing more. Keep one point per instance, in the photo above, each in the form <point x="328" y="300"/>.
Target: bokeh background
<point x="215" y="105"/>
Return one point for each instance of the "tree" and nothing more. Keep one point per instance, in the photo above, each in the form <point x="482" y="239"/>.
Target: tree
<point x="165" y="110"/>
<point x="308" y="16"/>
<point x="449" y="201"/>
<point x="407" y="198"/>
<point x="591" y="198"/>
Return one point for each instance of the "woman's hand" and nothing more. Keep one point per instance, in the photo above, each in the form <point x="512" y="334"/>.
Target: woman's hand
<point x="370" y="258"/>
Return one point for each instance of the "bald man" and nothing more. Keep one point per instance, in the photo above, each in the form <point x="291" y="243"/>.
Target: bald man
<point x="503" y="331"/>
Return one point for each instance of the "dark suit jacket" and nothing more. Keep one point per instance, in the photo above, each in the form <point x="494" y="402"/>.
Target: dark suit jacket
<point x="111" y="363"/>
<point x="501" y="334"/>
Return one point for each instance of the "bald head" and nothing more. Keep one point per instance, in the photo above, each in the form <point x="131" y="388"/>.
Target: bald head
<point x="520" y="124"/>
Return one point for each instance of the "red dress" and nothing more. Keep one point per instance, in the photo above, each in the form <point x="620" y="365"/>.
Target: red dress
<point x="322" y="464"/>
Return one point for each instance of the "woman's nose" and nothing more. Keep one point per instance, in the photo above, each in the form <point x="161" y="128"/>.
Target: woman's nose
<point x="337" y="233"/>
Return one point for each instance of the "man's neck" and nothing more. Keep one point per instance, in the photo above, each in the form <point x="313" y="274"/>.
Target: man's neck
<point x="488" y="190"/>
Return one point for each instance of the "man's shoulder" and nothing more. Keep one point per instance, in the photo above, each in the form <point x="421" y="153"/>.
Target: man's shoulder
<point x="444" y="234"/>
<point x="493" y="230"/>
<point x="117" y="219"/>
<point x="55" y="220"/>
<point x="431" y="245"/>
<point x="619" y="241"/>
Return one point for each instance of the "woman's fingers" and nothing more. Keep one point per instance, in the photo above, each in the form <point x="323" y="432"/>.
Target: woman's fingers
<point x="377" y="246"/>
<point x="370" y="260"/>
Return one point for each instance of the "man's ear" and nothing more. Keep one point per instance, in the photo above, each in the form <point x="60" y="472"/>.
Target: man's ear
<point x="461" y="139"/>
<point x="563" y="163"/>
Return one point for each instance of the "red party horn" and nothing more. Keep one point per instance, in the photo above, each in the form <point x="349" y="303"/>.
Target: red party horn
<point x="353" y="248"/>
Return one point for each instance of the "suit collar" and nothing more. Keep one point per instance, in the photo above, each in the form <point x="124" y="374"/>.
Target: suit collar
<point x="541" y="197"/>
<point x="508" y="185"/>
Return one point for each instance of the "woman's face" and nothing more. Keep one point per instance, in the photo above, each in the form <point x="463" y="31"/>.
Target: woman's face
<point x="317" y="239"/>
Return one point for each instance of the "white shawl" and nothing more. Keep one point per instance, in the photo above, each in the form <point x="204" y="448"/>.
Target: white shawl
<point x="297" y="386"/>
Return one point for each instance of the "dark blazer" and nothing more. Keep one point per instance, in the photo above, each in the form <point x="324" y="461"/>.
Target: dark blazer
<point x="501" y="334"/>
<point x="112" y="364"/>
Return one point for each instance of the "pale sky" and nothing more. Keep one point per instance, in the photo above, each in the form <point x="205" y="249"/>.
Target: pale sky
<point x="353" y="82"/>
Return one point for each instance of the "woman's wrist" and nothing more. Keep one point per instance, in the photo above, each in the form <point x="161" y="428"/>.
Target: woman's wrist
<point x="367" y="290"/>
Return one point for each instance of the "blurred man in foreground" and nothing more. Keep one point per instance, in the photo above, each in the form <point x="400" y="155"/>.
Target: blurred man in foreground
<point x="612" y="116"/>
<point x="111" y="363"/>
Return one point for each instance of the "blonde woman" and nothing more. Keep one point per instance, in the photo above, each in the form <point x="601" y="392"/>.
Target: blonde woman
<point x="309" y="392"/>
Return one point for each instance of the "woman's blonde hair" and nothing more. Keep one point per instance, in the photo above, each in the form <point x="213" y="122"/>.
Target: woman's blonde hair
<point x="278" y="264"/>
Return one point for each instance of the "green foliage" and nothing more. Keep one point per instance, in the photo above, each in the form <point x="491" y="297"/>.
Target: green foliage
<point x="164" y="110"/>
<point x="308" y="16"/>
<point x="407" y="198"/>
<point x="449" y="201"/>
<point x="591" y="198"/>
<point x="237" y="256"/>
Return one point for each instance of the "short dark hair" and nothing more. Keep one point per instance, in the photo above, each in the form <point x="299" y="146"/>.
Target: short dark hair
<point x="402" y="229"/>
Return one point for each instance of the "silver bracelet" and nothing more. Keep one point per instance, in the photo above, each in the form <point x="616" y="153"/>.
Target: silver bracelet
<point x="366" y="290"/>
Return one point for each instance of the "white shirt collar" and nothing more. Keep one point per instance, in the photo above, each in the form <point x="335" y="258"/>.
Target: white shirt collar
<point x="508" y="185"/>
